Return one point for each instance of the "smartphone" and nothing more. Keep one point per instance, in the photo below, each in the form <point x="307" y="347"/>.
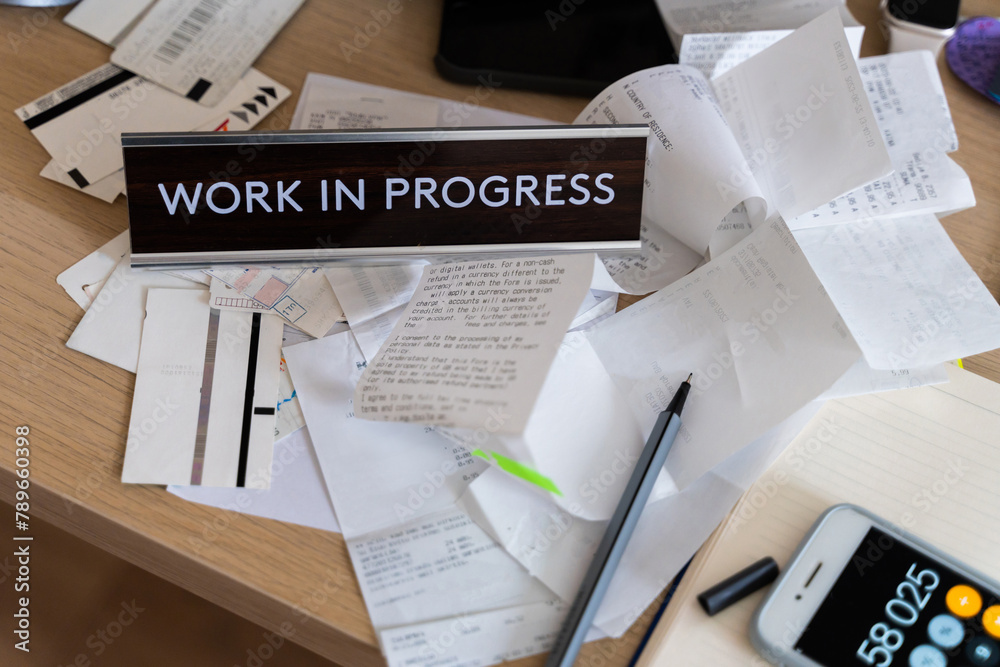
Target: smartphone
<point x="861" y="592"/>
<point x="933" y="14"/>
<point x="570" y="47"/>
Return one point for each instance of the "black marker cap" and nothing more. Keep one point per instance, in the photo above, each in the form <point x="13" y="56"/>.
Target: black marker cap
<point x="738" y="586"/>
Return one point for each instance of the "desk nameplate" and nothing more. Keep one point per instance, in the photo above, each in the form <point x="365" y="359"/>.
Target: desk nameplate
<point x="198" y="199"/>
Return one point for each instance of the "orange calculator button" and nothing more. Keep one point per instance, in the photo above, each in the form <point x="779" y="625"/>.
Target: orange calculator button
<point x="991" y="620"/>
<point x="963" y="601"/>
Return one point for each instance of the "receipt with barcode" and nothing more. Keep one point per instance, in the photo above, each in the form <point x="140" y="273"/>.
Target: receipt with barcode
<point x="201" y="48"/>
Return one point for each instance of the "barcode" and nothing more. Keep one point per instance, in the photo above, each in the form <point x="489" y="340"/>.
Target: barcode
<point x="188" y="29"/>
<point x="366" y="287"/>
<point x="237" y="302"/>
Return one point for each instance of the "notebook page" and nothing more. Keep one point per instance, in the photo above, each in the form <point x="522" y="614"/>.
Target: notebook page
<point x="927" y="459"/>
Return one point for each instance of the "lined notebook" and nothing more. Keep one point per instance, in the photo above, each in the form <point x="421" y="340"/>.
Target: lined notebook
<point x="927" y="459"/>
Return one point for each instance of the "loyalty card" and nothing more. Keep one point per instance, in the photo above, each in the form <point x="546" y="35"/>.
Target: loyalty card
<point x="201" y="48"/>
<point x="81" y="124"/>
<point x="204" y="405"/>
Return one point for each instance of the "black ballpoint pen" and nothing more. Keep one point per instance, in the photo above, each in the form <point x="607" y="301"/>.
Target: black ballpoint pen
<point x="616" y="536"/>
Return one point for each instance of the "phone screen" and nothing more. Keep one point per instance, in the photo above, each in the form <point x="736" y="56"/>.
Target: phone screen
<point x="893" y="605"/>
<point x="942" y="14"/>
<point x="572" y="47"/>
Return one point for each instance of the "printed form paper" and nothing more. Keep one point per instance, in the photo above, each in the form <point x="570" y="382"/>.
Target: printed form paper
<point x="374" y="297"/>
<point x="418" y="558"/>
<point x="475" y="343"/>
<point x="904" y="290"/>
<point x="477" y="640"/>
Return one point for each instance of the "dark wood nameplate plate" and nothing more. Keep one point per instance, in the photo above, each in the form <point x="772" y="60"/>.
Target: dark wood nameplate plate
<point x="209" y="198"/>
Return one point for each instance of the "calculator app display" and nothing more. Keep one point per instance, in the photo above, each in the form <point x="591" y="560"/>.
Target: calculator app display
<point x="893" y="605"/>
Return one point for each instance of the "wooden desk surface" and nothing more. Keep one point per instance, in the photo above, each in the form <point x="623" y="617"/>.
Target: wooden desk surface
<point x="281" y="576"/>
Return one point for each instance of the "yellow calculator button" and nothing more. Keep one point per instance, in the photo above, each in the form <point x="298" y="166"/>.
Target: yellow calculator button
<point x="991" y="621"/>
<point x="963" y="601"/>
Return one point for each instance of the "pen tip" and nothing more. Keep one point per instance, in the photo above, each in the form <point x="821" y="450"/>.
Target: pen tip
<point x="690" y="375"/>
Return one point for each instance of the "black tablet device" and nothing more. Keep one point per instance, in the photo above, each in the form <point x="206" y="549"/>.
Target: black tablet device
<point x="574" y="47"/>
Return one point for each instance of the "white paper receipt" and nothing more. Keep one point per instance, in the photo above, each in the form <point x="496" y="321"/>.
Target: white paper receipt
<point x="475" y="343"/>
<point x="201" y="48"/>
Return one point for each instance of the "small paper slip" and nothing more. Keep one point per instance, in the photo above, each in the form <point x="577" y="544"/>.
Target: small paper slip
<point x="200" y="48"/>
<point x="908" y="99"/>
<point x="203" y="408"/>
<point x="863" y="379"/>
<point x="288" y="417"/>
<point x="801" y="117"/>
<point x="475" y="343"/>
<point x="263" y="285"/>
<point x="106" y="189"/>
<point x="904" y="290"/>
<point x="111" y="329"/>
<point x="662" y="260"/>
<point x="475" y="640"/>
<point x="373" y="299"/>
<point x="84" y="280"/>
<point x="890" y="453"/>
<point x="713" y="53"/>
<point x="297" y="494"/>
<point x="408" y="109"/>
<point x="687" y="16"/>
<point x="356" y="112"/>
<point x="302" y="297"/>
<point x="225" y="297"/>
<point x="80" y="124"/>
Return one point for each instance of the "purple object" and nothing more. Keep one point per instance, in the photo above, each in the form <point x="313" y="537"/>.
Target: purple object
<point x="973" y="53"/>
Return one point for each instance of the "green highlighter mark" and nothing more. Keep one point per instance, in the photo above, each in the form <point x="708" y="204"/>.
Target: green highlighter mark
<point x="520" y="470"/>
